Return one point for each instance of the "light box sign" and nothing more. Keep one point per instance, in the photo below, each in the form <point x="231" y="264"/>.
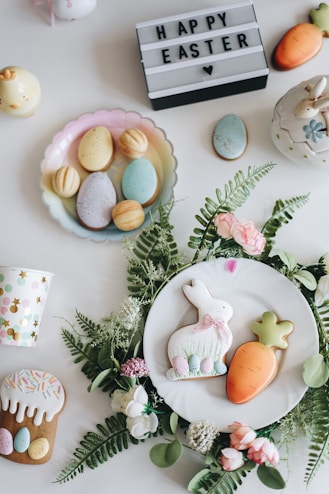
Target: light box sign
<point x="202" y="55"/>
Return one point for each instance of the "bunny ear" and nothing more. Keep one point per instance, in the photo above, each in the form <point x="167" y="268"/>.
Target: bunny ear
<point x="197" y="292"/>
<point x="321" y="103"/>
<point x="318" y="88"/>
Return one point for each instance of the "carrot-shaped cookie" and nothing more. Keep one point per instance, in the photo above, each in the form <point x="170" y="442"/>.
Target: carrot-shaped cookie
<point x="254" y="364"/>
<point x="303" y="41"/>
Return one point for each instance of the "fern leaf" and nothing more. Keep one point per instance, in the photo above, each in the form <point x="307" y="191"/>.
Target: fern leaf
<point x="97" y="448"/>
<point x="217" y="481"/>
<point x="235" y="193"/>
<point x="319" y="445"/>
<point x="281" y="214"/>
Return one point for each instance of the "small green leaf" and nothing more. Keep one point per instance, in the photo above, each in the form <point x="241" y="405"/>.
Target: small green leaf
<point x="99" y="379"/>
<point x="194" y="483"/>
<point x="307" y="279"/>
<point x="166" y="454"/>
<point x="270" y="477"/>
<point x="173" y="422"/>
<point x="315" y="371"/>
<point x="288" y="259"/>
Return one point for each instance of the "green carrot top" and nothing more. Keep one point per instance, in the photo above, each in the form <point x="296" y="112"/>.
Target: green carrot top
<point x="272" y="332"/>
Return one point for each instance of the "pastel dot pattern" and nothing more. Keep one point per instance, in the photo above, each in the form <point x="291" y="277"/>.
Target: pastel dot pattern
<point x="23" y="295"/>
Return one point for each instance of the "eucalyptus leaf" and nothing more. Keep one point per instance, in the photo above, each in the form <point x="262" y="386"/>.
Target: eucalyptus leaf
<point x="173" y="422"/>
<point x="99" y="379"/>
<point x="315" y="371"/>
<point x="194" y="483"/>
<point x="288" y="259"/>
<point x="165" y="455"/>
<point x="307" y="279"/>
<point x="270" y="477"/>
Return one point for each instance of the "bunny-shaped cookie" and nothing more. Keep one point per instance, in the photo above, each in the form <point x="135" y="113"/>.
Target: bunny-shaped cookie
<point x="198" y="350"/>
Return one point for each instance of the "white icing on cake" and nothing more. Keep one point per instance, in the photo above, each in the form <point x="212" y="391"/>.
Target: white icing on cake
<point x="32" y="392"/>
<point x="302" y="140"/>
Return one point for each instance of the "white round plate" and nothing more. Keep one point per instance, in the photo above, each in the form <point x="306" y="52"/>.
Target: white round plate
<point x="251" y="289"/>
<point x="63" y="151"/>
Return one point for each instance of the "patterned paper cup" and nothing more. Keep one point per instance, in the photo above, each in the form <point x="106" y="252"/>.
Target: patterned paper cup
<point x="23" y="296"/>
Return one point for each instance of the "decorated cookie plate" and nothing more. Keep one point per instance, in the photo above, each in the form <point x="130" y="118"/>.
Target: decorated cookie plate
<point x="63" y="151"/>
<point x="252" y="288"/>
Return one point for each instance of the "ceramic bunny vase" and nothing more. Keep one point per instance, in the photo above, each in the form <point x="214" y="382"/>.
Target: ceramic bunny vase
<point x="20" y="92"/>
<point x="198" y="350"/>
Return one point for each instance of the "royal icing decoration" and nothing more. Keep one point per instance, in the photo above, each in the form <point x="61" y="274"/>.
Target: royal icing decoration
<point x="198" y="350"/>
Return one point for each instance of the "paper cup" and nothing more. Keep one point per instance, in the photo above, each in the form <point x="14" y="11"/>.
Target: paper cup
<point x="23" y="296"/>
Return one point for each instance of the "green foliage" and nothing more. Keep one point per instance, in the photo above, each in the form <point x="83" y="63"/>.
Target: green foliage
<point x="98" y="447"/>
<point x="281" y="214"/>
<point x="216" y="481"/>
<point x="234" y="195"/>
<point x="270" y="477"/>
<point x="319" y="444"/>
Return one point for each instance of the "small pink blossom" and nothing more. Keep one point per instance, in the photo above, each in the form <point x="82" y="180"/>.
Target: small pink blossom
<point x="224" y="223"/>
<point x="263" y="450"/>
<point x="242" y="436"/>
<point x="135" y="367"/>
<point x="231" y="459"/>
<point x="246" y="234"/>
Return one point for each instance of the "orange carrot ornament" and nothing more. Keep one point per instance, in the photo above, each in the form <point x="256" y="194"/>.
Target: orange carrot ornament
<point x="254" y="364"/>
<point x="303" y="41"/>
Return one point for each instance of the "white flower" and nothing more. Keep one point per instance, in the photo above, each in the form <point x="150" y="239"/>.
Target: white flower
<point x="132" y="403"/>
<point x="140" y="426"/>
<point x="322" y="290"/>
<point x="201" y="435"/>
<point x="116" y="400"/>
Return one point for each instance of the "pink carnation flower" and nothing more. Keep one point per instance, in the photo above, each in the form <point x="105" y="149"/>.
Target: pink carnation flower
<point x="246" y="234"/>
<point x="231" y="459"/>
<point x="135" y="367"/>
<point x="262" y="450"/>
<point x="242" y="436"/>
<point x="224" y="223"/>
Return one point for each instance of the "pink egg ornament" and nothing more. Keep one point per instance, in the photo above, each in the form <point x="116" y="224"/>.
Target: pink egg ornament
<point x="70" y="10"/>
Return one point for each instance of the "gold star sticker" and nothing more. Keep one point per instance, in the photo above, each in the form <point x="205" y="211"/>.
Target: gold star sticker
<point x="43" y="279"/>
<point x="22" y="274"/>
<point x="38" y="300"/>
<point x="16" y="301"/>
<point x="6" y="324"/>
<point x="35" y="324"/>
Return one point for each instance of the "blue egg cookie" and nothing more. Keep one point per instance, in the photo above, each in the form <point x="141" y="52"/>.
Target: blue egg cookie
<point x="140" y="182"/>
<point x="230" y="137"/>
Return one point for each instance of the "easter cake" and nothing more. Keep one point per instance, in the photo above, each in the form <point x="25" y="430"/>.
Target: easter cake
<point x="31" y="401"/>
<point x="300" y="123"/>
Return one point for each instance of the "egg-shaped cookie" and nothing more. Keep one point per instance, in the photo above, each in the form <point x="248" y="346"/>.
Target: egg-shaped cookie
<point x="128" y="215"/>
<point x="140" y="182"/>
<point x="66" y="181"/>
<point x="133" y="143"/>
<point x="95" y="150"/>
<point x="95" y="201"/>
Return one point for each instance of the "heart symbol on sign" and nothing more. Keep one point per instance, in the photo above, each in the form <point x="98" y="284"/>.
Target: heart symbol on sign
<point x="208" y="69"/>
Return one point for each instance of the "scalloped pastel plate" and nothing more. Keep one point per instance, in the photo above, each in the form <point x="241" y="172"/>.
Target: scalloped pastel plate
<point x="251" y="289"/>
<point x="63" y="150"/>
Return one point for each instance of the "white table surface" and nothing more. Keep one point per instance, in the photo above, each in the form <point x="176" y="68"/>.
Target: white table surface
<point x="92" y="64"/>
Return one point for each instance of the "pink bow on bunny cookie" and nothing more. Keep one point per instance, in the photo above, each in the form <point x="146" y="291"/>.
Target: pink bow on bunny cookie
<point x="219" y="324"/>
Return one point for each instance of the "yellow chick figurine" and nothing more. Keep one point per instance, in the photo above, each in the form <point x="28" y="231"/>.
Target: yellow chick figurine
<point x="20" y="92"/>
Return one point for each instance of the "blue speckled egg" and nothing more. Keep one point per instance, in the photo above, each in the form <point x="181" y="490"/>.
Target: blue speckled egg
<point x="194" y="364"/>
<point x="230" y="137"/>
<point x="220" y="367"/>
<point x="22" y="440"/>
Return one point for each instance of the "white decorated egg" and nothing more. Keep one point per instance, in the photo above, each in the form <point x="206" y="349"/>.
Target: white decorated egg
<point x="95" y="201"/>
<point x="70" y="10"/>
<point x="6" y="442"/>
<point x="22" y="440"/>
<point x="20" y="92"/>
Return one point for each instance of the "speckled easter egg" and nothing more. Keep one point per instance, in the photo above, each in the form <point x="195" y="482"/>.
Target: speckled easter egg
<point x="230" y="137"/>
<point x="220" y="367"/>
<point x="206" y="365"/>
<point x="194" y="364"/>
<point x="181" y="367"/>
<point x="6" y="442"/>
<point x="38" y="448"/>
<point x="22" y="440"/>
